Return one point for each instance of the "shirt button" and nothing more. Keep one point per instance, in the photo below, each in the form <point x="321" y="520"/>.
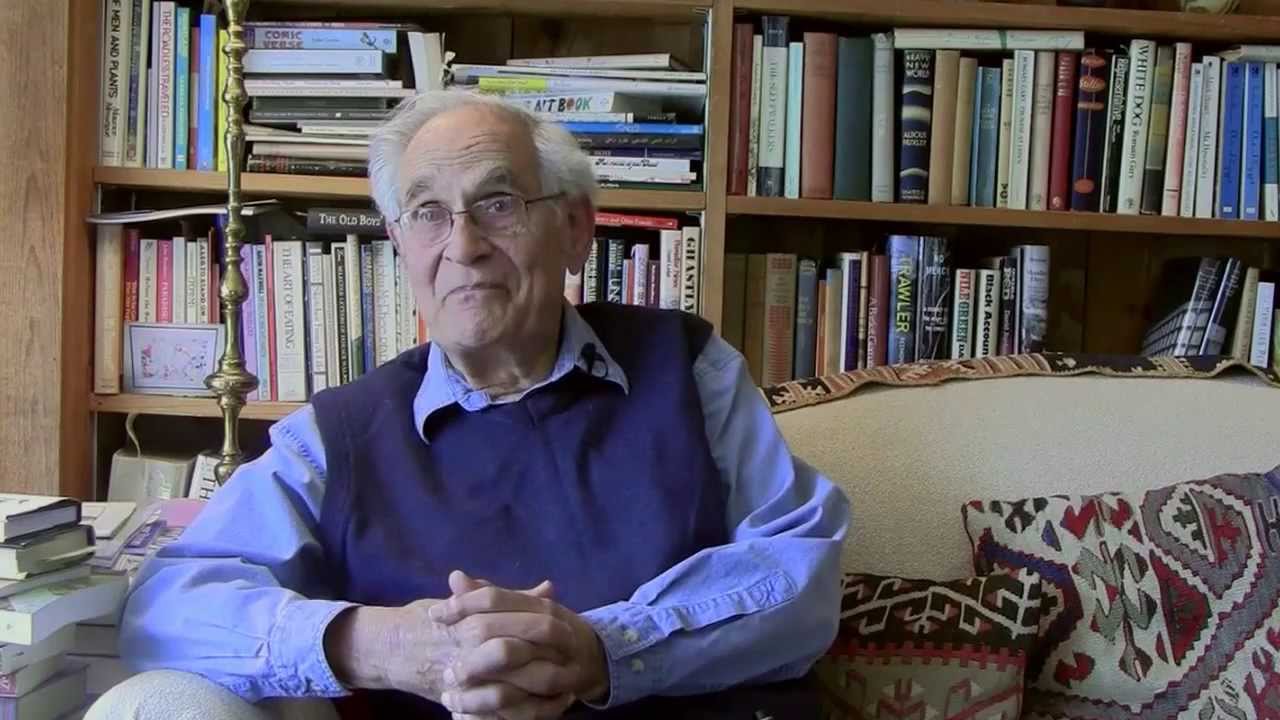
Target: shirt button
<point x="630" y="635"/>
<point x="637" y="665"/>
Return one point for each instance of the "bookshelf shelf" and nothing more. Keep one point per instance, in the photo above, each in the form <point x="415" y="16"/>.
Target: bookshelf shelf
<point x="1038" y="219"/>
<point x="673" y="9"/>
<point x="1108" y="21"/>
<point x="341" y="188"/>
<point x="185" y="406"/>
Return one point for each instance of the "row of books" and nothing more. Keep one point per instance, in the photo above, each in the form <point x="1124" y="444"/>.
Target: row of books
<point x="318" y="89"/>
<point x="640" y="260"/>
<point x="162" y="68"/>
<point x="798" y="317"/>
<point x="638" y="116"/>
<point x="1216" y="306"/>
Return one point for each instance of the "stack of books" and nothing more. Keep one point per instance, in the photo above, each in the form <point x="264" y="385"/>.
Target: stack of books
<point x="798" y="317"/>
<point x="46" y="587"/>
<point x="640" y="117"/>
<point x="318" y="89"/>
<point x="644" y="260"/>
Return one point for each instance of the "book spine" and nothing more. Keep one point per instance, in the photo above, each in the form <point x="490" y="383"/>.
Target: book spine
<point x="314" y="62"/>
<point x="332" y="317"/>
<point x="204" y="268"/>
<point x="316" y="368"/>
<point x="179" y="283"/>
<point x="1224" y="305"/>
<point x="591" y="285"/>
<point x="207" y="65"/>
<point x="986" y="334"/>
<point x="942" y="124"/>
<point x="1251" y="135"/>
<point x="962" y="316"/>
<point x="1241" y="342"/>
<point x="139" y="40"/>
<point x="1091" y="115"/>
<point x="1023" y="110"/>
<point x="1157" y="133"/>
<point x="616" y="256"/>
<point x="995" y="40"/>
<point x="962" y="149"/>
<point x="670" y="256"/>
<point x="342" y="311"/>
<point x="248" y="312"/>
<point x="780" y="318"/>
<point x="1174" y="153"/>
<point x="753" y="148"/>
<point x="753" y="333"/>
<point x="852" y="178"/>
<point x="975" y="141"/>
<point x="108" y="309"/>
<point x="1063" y="113"/>
<point x="851" y="271"/>
<point x="165" y="86"/>
<point x="818" y="116"/>
<point x="406" y="307"/>
<point x="384" y="301"/>
<point x="181" y="78"/>
<point x="806" y="319"/>
<point x="1264" y="307"/>
<point x="820" y="332"/>
<point x="368" y="314"/>
<point x="882" y="119"/>
<point x="271" y="260"/>
<point x="289" y="285"/>
<point x="221" y="108"/>
<point x="1207" y="150"/>
<point x="1006" y="133"/>
<point x="1231" y="138"/>
<point x="830" y="348"/>
<point x="902" y="253"/>
<point x="1138" y="100"/>
<point x="1191" y="143"/>
<point x="988" y="138"/>
<point x="640" y="276"/>
<point x="602" y="218"/>
<point x="933" y="299"/>
<point x="164" y="281"/>
<point x="152" y="124"/>
<point x="193" y="94"/>
<point x="773" y="107"/>
<point x="1113" y="134"/>
<point x="1009" y="305"/>
<point x="878" y="312"/>
<point x="147" y="281"/>
<point x="303" y="166"/>
<point x="864" y="303"/>
<point x="356" y="328"/>
<point x="653" y="278"/>
<point x="795" y="102"/>
<point x="1041" y="131"/>
<point x="132" y="272"/>
<point x="287" y="36"/>
<point x="115" y="81"/>
<point x="916" y="116"/>
<point x="1033" y="298"/>
<point x="1271" y="145"/>
<point x="691" y="269"/>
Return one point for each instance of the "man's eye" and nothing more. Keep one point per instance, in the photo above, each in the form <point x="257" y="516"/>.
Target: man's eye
<point x="501" y="205"/>
<point x="432" y="215"/>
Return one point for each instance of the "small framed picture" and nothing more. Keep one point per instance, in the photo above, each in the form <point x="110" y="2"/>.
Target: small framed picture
<point x="171" y="359"/>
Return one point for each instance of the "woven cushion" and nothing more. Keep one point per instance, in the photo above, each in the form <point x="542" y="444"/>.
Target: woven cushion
<point x="923" y="649"/>
<point x="1156" y="604"/>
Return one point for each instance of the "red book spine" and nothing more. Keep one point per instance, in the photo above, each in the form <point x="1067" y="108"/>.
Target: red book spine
<point x="1063" y="114"/>
<point x="271" y="313"/>
<point x="818" y="115"/>
<point x="878" y="312"/>
<point x="740" y="109"/>
<point x="641" y="221"/>
<point x="628" y="281"/>
<point x="164" y="281"/>
<point x="132" y="237"/>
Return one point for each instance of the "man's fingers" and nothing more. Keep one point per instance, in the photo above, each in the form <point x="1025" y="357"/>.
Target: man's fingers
<point x="505" y="701"/>
<point x="460" y="583"/>
<point x="490" y="600"/>
<point x="534" y="628"/>
<point x="533" y="668"/>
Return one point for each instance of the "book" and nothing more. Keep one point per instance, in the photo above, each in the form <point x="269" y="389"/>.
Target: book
<point x="771" y="156"/>
<point x="1207" y="148"/>
<point x="753" y="122"/>
<point x="14" y="656"/>
<point x="795" y="103"/>
<point x="1230" y="172"/>
<point x="1270" y="145"/>
<point x="1041" y="131"/>
<point x="1242" y="339"/>
<point x="968" y="98"/>
<point x="1064" y="106"/>
<point x="135" y="217"/>
<point x="933" y="298"/>
<point x="985" y="39"/>
<point x="45" y="551"/>
<point x="942" y="124"/>
<point x="902" y="252"/>
<point x="883" y="139"/>
<point x="1251" y="137"/>
<point x="986" y="336"/>
<point x="1191" y="142"/>
<point x="22" y="515"/>
<point x="817" y="121"/>
<point x="915" y="113"/>
<point x="854" y="80"/>
<point x="1005" y="134"/>
<point x="1113" y="132"/>
<point x="56" y="697"/>
<point x="962" y="315"/>
<point x="1133" y="152"/>
<point x="1152" y="195"/>
<point x="1263" y="316"/>
<point x="30" y="617"/>
<point x="1175" y="152"/>
<point x="1090" y="125"/>
<point x="1021" y="113"/>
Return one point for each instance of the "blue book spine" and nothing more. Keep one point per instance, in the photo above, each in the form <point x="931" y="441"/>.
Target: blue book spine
<point x="987" y="146"/>
<point x="1230" y="139"/>
<point x="916" y="113"/>
<point x="975" y="136"/>
<point x="795" y="101"/>
<point x="368" y="329"/>
<point x="292" y="37"/>
<point x="1271" y="152"/>
<point x="806" y="319"/>
<point x="903" y="251"/>
<point x="593" y="128"/>
<point x="1251" y="181"/>
<point x="206" y="122"/>
<point x="181" y="87"/>
<point x="1091" y="117"/>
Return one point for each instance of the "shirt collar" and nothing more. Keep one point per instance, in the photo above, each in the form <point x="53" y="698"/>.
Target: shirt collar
<point x="580" y="347"/>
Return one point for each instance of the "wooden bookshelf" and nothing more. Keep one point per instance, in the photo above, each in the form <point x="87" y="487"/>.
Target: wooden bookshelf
<point x="346" y="188"/>
<point x="1030" y="219"/>
<point x="659" y="9"/>
<point x="206" y="407"/>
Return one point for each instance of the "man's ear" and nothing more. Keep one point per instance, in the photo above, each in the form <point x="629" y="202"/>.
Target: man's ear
<point x="393" y="232"/>
<point x="581" y="224"/>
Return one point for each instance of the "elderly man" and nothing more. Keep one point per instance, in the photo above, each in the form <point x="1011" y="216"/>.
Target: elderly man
<point x="546" y="510"/>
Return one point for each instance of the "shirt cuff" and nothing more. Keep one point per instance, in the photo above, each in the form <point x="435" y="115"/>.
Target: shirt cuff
<point x="626" y="630"/>
<point x="295" y="649"/>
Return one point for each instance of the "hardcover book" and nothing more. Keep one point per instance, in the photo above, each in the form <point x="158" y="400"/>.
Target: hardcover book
<point x="916" y="114"/>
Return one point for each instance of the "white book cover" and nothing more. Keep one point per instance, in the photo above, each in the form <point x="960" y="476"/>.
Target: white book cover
<point x="258" y="87"/>
<point x="203" y="273"/>
<point x="1271" y="114"/>
<point x="317" y="313"/>
<point x="108" y="309"/>
<point x="773" y="113"/>
<point x="426" y="53"/>
<point x="291" y="336"/>
<point x="114" y="112"/>
<point x="635" y="61"/>
<point x="193" y="311"/>
<point x="691" y="269"/>
<point x="1191" y="142"/>
<point x="1264" y="307"/>
<point x="30" y="617"/>
<point x="313" y="61"/>
<point x="260" y="326"/>
<point x="333" y="373"/>
<point x="466" y="73"/>
<point x="1177" y="138"/>
<point x="178" y="251"/>
<point x="1006" y="130"/>
<point x="980" y="39"/>
<point x="1024" y="82"/>
<point x="1041" y="131"/>
<point x="753" y="143"/>
<point x="15" y="656"/>
<point x="883" y="141"/>
<point x="355" y="315"/>
<point x="670" y="254"/>
<point x="384" y="301"/>
<point x="640" y="275"/>
<point x="1207" y="156"/>
<point x="148" y="281"/>
<point x="406" y="311"/>
<point x="22" y="681"/>
<point x="1137" y="121"/>
<point x="165" y="84"/>
<point x="1242" y="341"/>
<point x="24" y="513"/>
<point x="962" y="309"/>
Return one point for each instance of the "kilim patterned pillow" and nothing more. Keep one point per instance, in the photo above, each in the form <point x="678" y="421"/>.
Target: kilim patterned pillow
<point x="924" y="649"/>
<point x="1160" y="604"/>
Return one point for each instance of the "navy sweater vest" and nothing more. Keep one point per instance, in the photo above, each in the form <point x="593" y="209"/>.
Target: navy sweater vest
<point x="579" y="482"/>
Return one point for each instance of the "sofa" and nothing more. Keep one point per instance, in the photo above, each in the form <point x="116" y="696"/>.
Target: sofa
<point x="925" y="454"/>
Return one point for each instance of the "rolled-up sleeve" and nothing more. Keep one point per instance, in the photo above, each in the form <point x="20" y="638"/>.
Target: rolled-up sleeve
<point x="764" y="606"/>
<point x="240" y="598"/>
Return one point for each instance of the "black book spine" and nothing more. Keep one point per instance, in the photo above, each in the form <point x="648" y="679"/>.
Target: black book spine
<point x="1009" y="304"/>
<point x="345" y="221"/>
<point x="933" y="306"/>
<point x="1109" y="198"/>
<point x="916" y="118"/>
<point x="1091" y="119"/>
<point x="592" y="141"/>
<point x="854" y="67"/>
<point x="617" y="253"/>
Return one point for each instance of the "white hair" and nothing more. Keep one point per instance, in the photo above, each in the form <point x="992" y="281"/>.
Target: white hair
<point x="562" y="165"/>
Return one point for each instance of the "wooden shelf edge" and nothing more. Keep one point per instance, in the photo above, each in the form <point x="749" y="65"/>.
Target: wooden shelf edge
<point x="185" y="406"/>
<point x="674" y="9"/>
<point x="1039" y="219"/>
<point x="313" y="186"/>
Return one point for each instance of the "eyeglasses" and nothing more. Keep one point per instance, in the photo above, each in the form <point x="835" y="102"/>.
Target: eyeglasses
<point x="495" y="216"/>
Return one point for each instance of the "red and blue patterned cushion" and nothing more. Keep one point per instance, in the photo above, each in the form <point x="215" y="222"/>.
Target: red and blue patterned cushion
<point x="1163" y="604"/>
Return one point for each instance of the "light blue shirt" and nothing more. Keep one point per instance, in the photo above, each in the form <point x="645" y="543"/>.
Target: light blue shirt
<point x="240" y="597"/>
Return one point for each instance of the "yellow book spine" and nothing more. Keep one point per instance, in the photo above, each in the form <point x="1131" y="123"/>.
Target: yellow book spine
<point x="500" y="84"/>
<point x="221" y="140"/>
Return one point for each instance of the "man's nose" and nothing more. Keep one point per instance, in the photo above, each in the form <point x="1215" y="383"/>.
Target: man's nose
<point x="466" y="244"/>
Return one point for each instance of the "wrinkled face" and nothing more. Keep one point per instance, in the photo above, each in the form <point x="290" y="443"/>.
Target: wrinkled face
<point x="480" y="288"/>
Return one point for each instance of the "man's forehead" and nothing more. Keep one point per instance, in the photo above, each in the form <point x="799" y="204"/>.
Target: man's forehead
<point x="468" y="144"/>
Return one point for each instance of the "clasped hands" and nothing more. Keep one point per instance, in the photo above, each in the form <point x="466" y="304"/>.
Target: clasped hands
<point x="490" y="653"/>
